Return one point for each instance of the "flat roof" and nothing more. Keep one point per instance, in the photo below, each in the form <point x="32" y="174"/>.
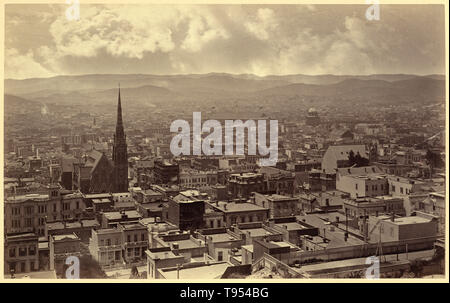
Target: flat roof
<point x="186" y="244"/>
<point x="291" y="226"/>
<point x="207" y="271"/>
<point x="257" y="232"/>
<point x="32" y="197"/>
<point x="222" y="237"/>
<point x="107" y="231"/>
<point x="408" y="220"/>
<point x="237" y="207"/>
<point x="163" y="255"/>
<point x="116" y="215"/>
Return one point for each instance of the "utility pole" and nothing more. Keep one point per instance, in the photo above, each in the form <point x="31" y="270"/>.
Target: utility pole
<point x="178" y="271"/>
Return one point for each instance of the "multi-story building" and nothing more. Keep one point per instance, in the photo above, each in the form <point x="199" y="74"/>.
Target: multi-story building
<point x="30" y="212"/>
<point x="165" y="172"/>
<point x="134" y="242"/>
<point x="161" y="257"/>
<point x="391" y="228"/>
<point x="21" y="253"/>
<point x="185" y="211"/>
<point x="197" y="179"/>
<point x="435" y="204"/>
<point x="364" y="184"/>
<point x="366" y="206"/>
<point x="243" y="184"/>
<point x="279" y="206"/>
<point x="278" y="181"/>
<point x="240" y="212"/>
<point x="105" y="246"/>
<point x="62" y="247"/>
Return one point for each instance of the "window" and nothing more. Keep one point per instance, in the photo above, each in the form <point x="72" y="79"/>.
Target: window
<point x="16" y="211"/>
<point x="108" y="242"/>
<point x="12" y="252"/>
<point x="135" y="238"/>
<point x="22" y="251"/>
<point x="220" y="256"/>
<point x="32" y="250"/>
<point x="137" y="251"/>
<point x="401" y="190"/>
<point x="356" y="186"/>
<point x="54" y="207"/>
<point x="29" y="210"/>
<point x="128" y="238"/>
<point x="28" y="222"/>
<point x="233" y="220"/>
<point x="143" y="237"/>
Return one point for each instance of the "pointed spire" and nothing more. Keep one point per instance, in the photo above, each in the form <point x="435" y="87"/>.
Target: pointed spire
<point x="119" y="125"/>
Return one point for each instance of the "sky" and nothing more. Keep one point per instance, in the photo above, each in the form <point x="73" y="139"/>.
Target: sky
<point x="40" y="41"/>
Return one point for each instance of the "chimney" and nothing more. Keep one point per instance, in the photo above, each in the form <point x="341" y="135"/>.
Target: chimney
<point x="225" y="206"/>
<point x="393" y="217"/>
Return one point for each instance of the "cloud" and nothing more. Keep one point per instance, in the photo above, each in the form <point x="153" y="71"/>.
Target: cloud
<point x="22" y="66"/>
<point x="263" y="24"/>
<point x="269" y="39"/>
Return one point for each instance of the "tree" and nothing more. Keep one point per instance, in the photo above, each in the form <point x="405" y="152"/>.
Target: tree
<point x="134" y="272"/>
<point x="351" y="158"/>
<point x="434" y="160"/>
<point x="357" y="160"/>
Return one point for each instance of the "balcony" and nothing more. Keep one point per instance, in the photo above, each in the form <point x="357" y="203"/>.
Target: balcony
<point x="110" y="247"/>
<point x="135" y="244"/>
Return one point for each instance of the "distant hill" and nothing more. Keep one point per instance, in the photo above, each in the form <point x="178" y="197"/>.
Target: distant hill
<point x="213" y="87"/>
<point x="15" y="103"/>
<point x="414" y="89"/>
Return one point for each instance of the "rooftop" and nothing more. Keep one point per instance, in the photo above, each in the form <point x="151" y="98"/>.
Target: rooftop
<point x="65" y="237"/>
<point x="116" y="215"/>
<point x="205" y="271"/>
<point x="230" y="207"/>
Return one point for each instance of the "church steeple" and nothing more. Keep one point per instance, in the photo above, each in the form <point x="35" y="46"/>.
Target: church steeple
<point x="120" y="155"/>
<point x="119" y="125"/>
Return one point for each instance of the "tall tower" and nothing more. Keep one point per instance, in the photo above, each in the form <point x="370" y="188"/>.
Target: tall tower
<point x="120" y="156"/>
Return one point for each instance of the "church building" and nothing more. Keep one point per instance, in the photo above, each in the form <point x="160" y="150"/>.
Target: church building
<point x="96" y="173"/>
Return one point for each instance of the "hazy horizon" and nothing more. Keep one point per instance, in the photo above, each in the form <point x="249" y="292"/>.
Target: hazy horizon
<point x="230" y="74"/>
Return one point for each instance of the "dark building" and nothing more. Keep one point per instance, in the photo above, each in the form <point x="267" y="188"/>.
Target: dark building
<point x="186" y="212"/>
<point x="166" y="173"/>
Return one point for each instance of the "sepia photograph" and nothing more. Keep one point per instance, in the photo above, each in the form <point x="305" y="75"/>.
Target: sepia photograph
<point x="241" y="142"/>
